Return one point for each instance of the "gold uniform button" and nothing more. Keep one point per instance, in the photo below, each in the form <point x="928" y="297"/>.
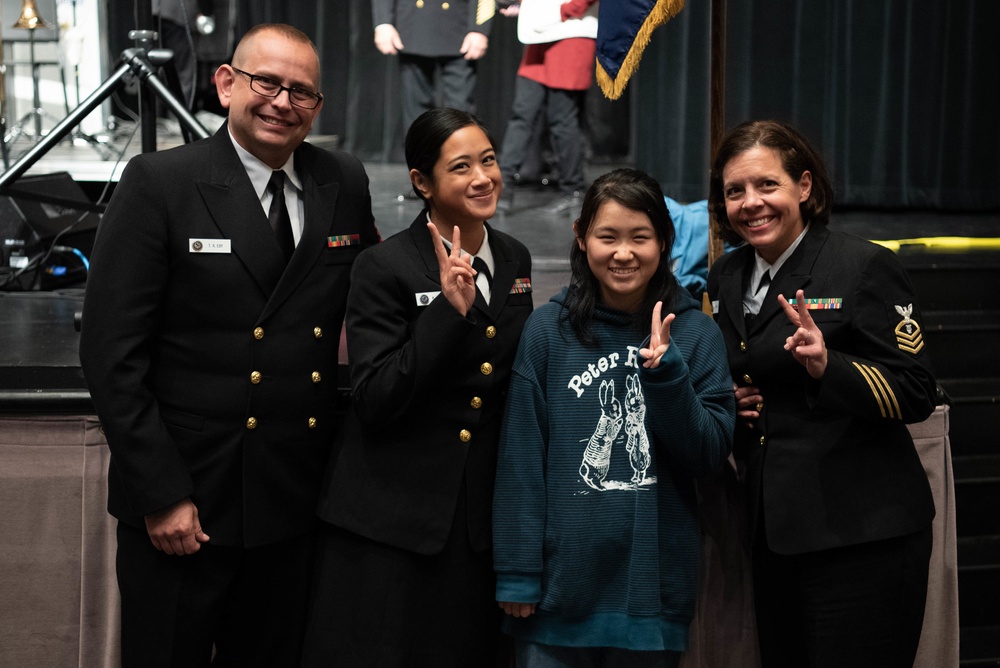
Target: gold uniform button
<point x="312" y="423"/>
<point x="251" y="423"/>
<point x="316" y="377"/>
<point x="258" y="333"/>
<point x="420" y="4"/>
<point x="476" y="402"/>
<point x="486" y="368"/>
<point x="255" y="377"/>
<point x="762" y="440"/>
<point x="465" y="436"/>
<point x="445" y="5"/>
<point x="747" y="379"/>
<point x="743" y="346"/>
<point x="491" y="331"/>
<point x="318" y="332"/>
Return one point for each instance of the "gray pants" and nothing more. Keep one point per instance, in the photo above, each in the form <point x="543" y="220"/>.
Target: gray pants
<point x="418" y="84"/>
<point x="562" y="118"/>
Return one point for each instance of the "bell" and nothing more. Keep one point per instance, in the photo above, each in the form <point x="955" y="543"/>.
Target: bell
<point x="29" y="17"/>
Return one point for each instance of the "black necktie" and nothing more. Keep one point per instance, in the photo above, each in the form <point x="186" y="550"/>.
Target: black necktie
<point x="277" y="215"/>
<point x="479" y="265"/>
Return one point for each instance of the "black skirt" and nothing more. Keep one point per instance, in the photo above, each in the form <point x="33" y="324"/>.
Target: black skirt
<point x="378" y="605"/>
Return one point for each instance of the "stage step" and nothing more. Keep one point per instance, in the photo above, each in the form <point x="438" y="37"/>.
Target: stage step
<point x="979" y="646"/>
<point x="955" y="281"/>
<point x="979" y="608"/>
<point x="963" y="344"/>
<point x="975" y="415"/>
<point x="959" y="296"/>
<point x="977" y="490"/>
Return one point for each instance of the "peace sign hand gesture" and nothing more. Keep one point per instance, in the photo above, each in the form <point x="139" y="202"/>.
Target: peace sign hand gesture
<point x="458" y="283"/>
<point x="806" y="344"/>
<point x="659" y="338"/>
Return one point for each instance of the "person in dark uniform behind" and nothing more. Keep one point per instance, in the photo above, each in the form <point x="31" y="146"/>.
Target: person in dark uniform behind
<point x="210" y="338"/>
<point x="177" y="20"/>
<point x="829" y="365"/>
<point x="433" y="39"/>
<point x="405" y="575"/>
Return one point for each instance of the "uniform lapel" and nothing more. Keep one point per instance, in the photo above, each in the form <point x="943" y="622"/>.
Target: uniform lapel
<point x="425" y="247"/>
<point x="319" y="202"/>
<point x="235" y="209"/>
<point x="794" y="275"/>
<point x="504" y="272"/>
<point x="731" y="288"/>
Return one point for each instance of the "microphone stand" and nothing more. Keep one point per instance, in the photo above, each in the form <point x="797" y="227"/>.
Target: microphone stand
<point x="136" y="62"/>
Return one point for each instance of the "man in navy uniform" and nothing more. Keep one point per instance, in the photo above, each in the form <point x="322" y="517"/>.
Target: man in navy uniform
<point x="432" y="38"/>
<point x="210" y="339"/>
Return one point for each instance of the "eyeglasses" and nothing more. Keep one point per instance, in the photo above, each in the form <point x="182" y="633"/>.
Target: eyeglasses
<point x="268" y="87"/>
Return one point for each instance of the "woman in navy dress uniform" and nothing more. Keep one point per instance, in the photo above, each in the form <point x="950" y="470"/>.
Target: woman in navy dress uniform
<point x="433" y="321"/>
<point x="829" y="365"/>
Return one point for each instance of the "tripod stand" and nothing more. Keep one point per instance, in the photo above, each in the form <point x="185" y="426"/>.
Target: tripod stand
<point x="134" y="62"/>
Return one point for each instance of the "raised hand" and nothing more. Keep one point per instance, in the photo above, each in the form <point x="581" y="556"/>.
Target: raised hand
<point x="458" y="282"/>
<point x="806" y="344"/>
<point x="659" y="338"/>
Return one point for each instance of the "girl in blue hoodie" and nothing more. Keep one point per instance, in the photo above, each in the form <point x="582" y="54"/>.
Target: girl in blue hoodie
<point x="620" y="398"/>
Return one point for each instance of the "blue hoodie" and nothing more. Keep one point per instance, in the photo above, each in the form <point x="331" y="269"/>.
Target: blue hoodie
<point x="594" y="505"/>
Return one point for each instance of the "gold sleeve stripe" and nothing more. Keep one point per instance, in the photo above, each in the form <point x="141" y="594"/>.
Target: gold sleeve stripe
<point x="888" y="390"/>
<point x="485" y="10"/>
<point x="884" y="396"/>
<point x="878" y="398"/>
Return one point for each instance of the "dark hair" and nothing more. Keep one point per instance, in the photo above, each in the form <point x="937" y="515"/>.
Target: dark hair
<point x="633" y="190"/>
<point x="432" y="129"/>
<point x="796" y="155"/>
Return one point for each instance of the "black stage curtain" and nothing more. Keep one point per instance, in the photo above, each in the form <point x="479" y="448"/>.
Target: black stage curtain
<point x="897" y="95"/>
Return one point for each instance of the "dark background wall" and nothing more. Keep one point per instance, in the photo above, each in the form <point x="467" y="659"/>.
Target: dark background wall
<point x="898" y="95"/>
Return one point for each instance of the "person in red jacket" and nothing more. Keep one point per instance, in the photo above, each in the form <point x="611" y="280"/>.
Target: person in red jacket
<point x="555" y="72"/>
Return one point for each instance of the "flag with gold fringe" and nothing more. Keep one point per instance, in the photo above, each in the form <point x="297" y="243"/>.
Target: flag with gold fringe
<point x="624" y="28"/>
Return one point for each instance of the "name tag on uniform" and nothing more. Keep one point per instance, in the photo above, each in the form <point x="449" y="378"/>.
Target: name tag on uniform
<point x="425" y="298"/>
<point x="210" y="246"/>
<point x="715" y="307"/>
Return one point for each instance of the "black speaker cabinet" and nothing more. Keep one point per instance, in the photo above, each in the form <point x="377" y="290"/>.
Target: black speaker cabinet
<point x="28" y="226"/>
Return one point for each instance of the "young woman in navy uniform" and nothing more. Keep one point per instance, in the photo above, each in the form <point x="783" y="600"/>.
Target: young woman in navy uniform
<point x="406" y="575"/>
<point x="829" y="365"/>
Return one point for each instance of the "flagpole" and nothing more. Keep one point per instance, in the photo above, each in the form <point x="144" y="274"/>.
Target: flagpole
<point x="717" y="105"/>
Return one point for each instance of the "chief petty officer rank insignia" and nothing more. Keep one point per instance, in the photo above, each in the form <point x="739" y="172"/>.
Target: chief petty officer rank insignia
<point x="909" y="338"/>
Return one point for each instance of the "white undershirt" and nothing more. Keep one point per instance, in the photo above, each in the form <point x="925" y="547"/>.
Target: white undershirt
<point x="753" y="299"/>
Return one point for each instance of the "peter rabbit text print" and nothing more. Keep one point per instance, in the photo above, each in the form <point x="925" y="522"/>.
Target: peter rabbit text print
<point x="621" y="421"/>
